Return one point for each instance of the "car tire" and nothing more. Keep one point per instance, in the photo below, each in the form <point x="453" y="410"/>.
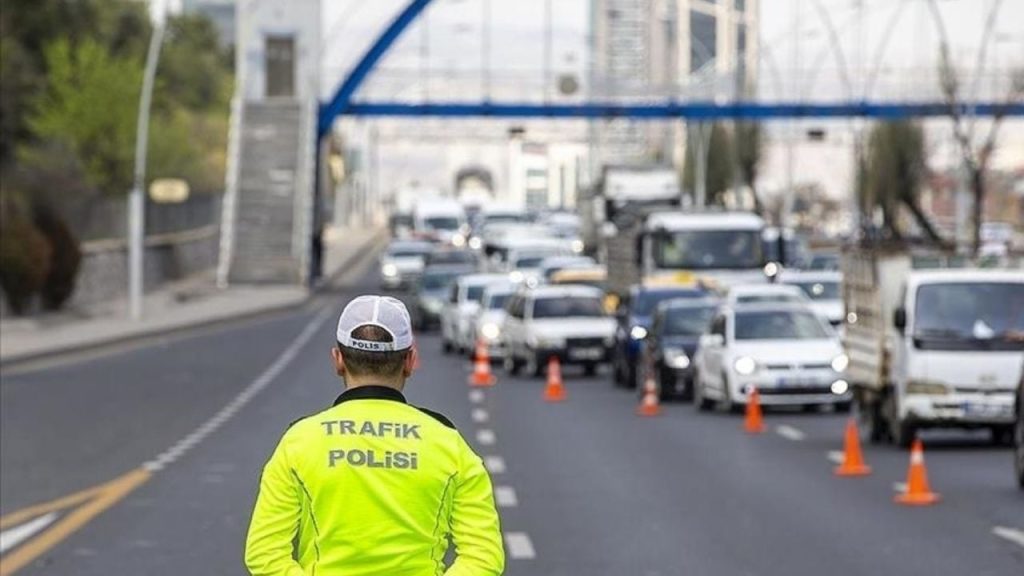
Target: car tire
<point x="590" y="369"/>
<point x="699" y="400"/>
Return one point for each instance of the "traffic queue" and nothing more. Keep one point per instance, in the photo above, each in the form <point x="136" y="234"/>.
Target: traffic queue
<point x="697" y="310"/>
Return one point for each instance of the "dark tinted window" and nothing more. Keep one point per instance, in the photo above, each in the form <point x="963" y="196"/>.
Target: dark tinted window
<point x="686" y="321"/>
<point x="442" y="223"/>
<point x="475" y="293"/>
<point x="498" y="301"/>
<point x="438" y="280"/>
<point x="779" y="325"/>
<point x="708" y="249"/>
<point x="567" y="307"/>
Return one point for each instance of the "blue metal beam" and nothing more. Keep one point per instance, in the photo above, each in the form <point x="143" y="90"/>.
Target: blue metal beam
<point x="339" y="103"/>
<point x="690" y="110"/>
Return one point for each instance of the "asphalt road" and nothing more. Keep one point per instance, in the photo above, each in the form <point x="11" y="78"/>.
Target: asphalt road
<point x="585" y="486"/>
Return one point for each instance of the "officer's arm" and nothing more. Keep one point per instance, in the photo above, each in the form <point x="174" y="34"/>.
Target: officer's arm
<point x="474" y="523"/>
<point x="275" y="521"/>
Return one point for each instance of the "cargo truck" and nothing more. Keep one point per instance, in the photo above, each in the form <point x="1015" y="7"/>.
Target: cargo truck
<point x="936" y="348"/>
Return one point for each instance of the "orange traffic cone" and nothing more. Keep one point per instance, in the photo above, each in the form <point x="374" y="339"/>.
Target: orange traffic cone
<point x="918" y="492"/>
<point x="554" y="391"/>
<point x="753" y="423"/>
<point x="481" y="376"/>
<point x="853" y="461"/>
<point x="650" y="405"/>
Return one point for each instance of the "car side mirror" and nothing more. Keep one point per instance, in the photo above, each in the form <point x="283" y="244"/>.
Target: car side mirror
<point x="899" y="319"/>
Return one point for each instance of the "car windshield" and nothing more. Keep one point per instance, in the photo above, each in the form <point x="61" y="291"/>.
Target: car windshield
<point x="974" y="315"/>
<point x="528" y="261"/>
<point x="754" y="298"/>
<point x="497" y="301"/>
<point x="567" y="306"/>
<point x="408" y="252"/>
<point x="823" y="262"/>
<point x="644" y="302"/>
<point x="779" y="325"/>
<point x="687" y="321"/>
<point x="438" y="280"/>
<point x="452" y="257"/>
<point x="501" y="218"/>
<point x="708" y="249"/>
<point x="475" y="293"/>
<point x="442" y="223"/>
<point x="826" y="290"/>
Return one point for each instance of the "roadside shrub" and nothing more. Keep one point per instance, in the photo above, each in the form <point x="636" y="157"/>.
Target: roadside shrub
<point x="24" y="261"/>
<point x="65" y="257"/>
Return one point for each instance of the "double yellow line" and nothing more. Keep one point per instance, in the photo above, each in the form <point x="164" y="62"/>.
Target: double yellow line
<point x="79" y="508"/>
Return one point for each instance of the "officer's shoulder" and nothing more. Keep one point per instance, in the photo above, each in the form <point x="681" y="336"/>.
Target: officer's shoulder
<point x="298" y="422"/>
<point x="437" y="416"/>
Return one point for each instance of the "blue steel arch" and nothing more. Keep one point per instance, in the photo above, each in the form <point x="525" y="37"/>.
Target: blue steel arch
<point x="342" y="102"/>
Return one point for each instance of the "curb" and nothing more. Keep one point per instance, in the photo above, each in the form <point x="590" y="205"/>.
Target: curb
<point x="155" y="333"/>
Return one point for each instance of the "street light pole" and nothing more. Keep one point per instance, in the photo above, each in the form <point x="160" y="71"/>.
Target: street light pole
<point x="137" y="198"/>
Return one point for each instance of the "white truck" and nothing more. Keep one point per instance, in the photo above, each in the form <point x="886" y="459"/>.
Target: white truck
<point x="939" y="348"/>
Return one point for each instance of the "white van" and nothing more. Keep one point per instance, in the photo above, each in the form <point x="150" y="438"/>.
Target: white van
<point x="440" y="219"/>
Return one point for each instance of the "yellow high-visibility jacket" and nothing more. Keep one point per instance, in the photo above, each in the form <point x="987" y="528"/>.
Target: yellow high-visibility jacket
<point x="375" y="486"/>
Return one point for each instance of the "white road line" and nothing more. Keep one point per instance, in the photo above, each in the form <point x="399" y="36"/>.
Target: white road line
<point x="900" y="487"/>
<point x="519" y="546"/>
<point x="480" y="415"/>
<point x="505" y="496"/>
<point x="476" y="396"/>
<point x="485" y="437"/>
<point x="16" y="535"/>
<point x="836" y="456"/>
<point x="790" y="433"/>
<point x="1012" y="534"/>
<point x="178" y="449"/>
<point x="494" y="464"/>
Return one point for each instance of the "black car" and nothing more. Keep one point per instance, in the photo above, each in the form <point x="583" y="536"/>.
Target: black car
<point x="1018" y="434"/>
<point x="671" y="343"/>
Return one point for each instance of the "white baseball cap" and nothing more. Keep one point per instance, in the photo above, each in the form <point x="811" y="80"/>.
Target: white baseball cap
<point x="384" y="312"/>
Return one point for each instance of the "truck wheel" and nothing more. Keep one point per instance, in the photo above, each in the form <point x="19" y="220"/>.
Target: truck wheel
<point x="903" y="433"/>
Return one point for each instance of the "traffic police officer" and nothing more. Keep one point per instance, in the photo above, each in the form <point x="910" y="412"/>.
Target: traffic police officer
<point x="374" y="485"/>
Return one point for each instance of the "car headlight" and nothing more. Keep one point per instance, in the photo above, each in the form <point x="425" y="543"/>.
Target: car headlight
<point x="476" y="243"/>
<point x="491" y="331"/>
<point x="927" y="387"/>
<point x="433" y="305"/>
<point x="516" y="277"/>
<point x="638" y="333"/>
<point x="389" y="270"/>
<point x="839" y="363"/>
<point x="840" y="387"/>
<point x="458" y="240"/>
<point x="677" y="358"/>
<point x="744" y="366"/>
<point x="577" y="246"/>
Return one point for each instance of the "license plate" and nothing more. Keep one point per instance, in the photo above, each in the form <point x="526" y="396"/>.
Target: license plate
<point x="978" y="409"/>
<point x="796" y="382"/>
<point x="586" y="353"/>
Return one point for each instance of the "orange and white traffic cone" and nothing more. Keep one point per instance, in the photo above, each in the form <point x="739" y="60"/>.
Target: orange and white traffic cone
<point x="853" y="460"/>
<point x="753" y="423"/>
<point x="650" y="405"/>
<point x="918" y="492"/>
<point x="481" y="376"/>
<point x="554" y="391"/>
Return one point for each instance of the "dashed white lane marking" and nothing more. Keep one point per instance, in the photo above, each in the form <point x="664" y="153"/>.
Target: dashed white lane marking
<point x="505" y="496"/>
<point x="485" y="437"/>
<point x="900" y="487"/>
<point x="13" y="536"/>
<point x="480" y="415"/>
<point x="238" y="402"/>
<point x="476" y="396"/>
<point x="1011" y="534"/>
<point x="836" y="456"/>
<point x="495" y="464"/>
<point x="519" y="546"/>
<point x="790" y="433"/>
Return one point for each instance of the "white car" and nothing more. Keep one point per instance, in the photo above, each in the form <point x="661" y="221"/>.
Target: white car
<point x="785" y="351"/>
<point x="524" y="260"/>
<point x="461" y="308"/>
<point x="489" y="323"/>
<point x="402" y="263"/>
<point x="568" y="322"/>
<point x="549" y="266"/>
<point x="824" y="289"/>
<point x="765" y="293"/>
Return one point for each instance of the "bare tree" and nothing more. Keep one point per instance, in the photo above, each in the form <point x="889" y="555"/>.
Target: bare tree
<point x="975" y="153"/>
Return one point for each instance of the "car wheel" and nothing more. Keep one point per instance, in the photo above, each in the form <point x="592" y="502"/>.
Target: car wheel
<point x="699" y="399"/>
<point x="590" y="369"/>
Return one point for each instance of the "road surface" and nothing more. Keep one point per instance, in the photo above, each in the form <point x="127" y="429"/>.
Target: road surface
<point x="145" y="460"/>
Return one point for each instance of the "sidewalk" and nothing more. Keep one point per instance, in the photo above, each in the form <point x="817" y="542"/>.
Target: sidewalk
<point x="189" y="303"/>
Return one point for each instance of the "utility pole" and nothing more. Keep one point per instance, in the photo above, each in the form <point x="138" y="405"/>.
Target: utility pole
<point x="137" y="197"/>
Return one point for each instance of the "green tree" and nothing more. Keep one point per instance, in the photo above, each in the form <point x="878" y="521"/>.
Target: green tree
<point x="89" y="102"/>
<point x="719" y="162"/>
<point x="748" y="141"/>
<point x="892" y="175"/>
